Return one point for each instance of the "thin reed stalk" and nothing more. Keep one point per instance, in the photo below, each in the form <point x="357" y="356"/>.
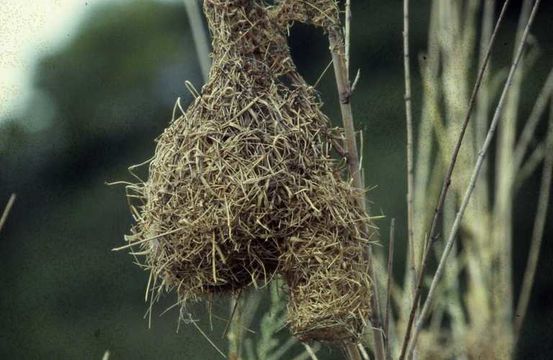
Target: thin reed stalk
<point x="336" y="41"/>
<point x="389" y="269"/>
<point x="409" y="145"/>
<point x="476" y="171"/>
<point x="537" y="233"/>
<point x="502" y="234"/>
<point x="7" y="210"/>
<point x="446" y="184"/>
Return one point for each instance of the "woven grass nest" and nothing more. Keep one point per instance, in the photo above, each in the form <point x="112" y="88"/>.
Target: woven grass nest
<point x="243" y="184"/>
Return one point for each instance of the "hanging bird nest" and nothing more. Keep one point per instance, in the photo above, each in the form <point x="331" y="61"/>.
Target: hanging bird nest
<point x="243" y="184"/>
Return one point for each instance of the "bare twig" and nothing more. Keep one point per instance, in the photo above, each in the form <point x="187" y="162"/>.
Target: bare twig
<point x="344" y="90"/>
<point x="425" y="171"/>
<point x="341" y="71"/>
<point x="446" y="184"/>
<point x="386" y="324"/>
<point x="409" y="128"/>
<point x="474" y="176"/>
<point x="6" y="211"/>
<point x="537" y="233"/>
<point x="355" y="80"/>
<point x="341" y="61"/>
<point x="200" y="36"/>
<point x="348" y="34"/>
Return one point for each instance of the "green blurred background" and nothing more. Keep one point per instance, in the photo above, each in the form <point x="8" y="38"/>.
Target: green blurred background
<point x="97" y="104"/>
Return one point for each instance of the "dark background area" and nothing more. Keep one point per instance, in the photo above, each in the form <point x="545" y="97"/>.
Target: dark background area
<point x="98" y="104"/>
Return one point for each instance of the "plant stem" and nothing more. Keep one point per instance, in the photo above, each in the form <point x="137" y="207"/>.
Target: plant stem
<point x="336" y="41"/>
<point x="6" y="211"/>
<point x="386" y="324"/>
<point x="472" y="182"/>
<point x="200" y="36"/>
<point x="445" y="187"/>
<point x="347" y="29"/>
<point x="409" y="128"/>
<point x="409" y="153"/>
<point x="537" y="233"/>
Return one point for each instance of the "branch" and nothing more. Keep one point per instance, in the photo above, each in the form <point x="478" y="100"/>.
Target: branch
<point x="336" y="41"/>
<point x="472" y="182"/>
<point x="409" y="128"/>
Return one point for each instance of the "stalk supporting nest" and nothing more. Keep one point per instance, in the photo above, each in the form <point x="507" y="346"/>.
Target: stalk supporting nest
<point x="243" y="185"/>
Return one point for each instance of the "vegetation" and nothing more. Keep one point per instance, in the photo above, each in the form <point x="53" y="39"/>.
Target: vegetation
<point x="100" y="101"/>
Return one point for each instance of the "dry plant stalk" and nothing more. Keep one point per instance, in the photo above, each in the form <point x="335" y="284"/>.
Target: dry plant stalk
<point x="243" y="184"/>
<point x="445" y="187"/>
<point x="389" y="273"/>
<point x="537" y="232"/>
<point x="340" y="60"/>
<point x="472" y="183"/>
<point x="7" y="210"/>
<point x="476" y="321"/>
<point x="409" y="146"/>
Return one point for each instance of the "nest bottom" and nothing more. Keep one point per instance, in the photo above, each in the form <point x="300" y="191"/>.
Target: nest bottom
<point x="329" y="287"/>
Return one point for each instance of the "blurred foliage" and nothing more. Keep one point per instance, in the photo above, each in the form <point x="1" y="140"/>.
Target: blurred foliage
<point x="98" y="103"/>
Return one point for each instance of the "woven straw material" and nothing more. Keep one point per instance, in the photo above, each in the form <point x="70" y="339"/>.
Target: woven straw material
<point x="243" y="184"/>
